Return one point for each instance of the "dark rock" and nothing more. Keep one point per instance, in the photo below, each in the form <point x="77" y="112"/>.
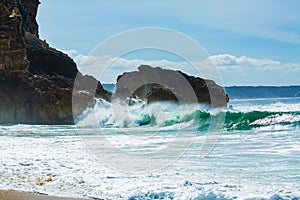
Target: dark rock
<point x="36" y="82"/>
<point x="33" y="100"/>
<point x="36" y="99"/>
<point x="157" y="84"/>
<point x="29" y="10"/>
<point x="161" y="93"/>
<point x="46" y="60"/>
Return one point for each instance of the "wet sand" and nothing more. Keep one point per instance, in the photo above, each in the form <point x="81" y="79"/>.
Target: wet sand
<point x="16" y="195"/>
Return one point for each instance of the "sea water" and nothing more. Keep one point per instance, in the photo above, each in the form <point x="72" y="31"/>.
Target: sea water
<point x="253" y="152"/>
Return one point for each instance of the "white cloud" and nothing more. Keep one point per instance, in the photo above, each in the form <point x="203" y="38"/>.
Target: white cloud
<point x="108" y="68"/>
<point x="293" y="67"/>
<point x="230" y="62"/>
<point x="225" y="64"/>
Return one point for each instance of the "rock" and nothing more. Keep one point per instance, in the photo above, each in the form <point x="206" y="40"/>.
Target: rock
<point x="13" y="55"/>
<point x="35" y="99"/>
<point x="46" y="60"/>
<point x="29" y="10"/>
<point x="157" y="84"/>
<point x="37" y="81"/>
<point x="161" y="93"/>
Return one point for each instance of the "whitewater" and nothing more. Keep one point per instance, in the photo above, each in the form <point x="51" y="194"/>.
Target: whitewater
<point x="251" y="150"/>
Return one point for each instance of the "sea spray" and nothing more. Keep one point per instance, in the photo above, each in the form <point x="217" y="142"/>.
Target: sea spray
<point x="168" y="114"/>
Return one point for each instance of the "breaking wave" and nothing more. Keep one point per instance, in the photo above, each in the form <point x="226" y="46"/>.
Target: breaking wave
<point x="166" y="114"/>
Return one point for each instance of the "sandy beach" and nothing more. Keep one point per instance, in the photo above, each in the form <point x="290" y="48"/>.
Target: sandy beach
<point x="16" y="195"/>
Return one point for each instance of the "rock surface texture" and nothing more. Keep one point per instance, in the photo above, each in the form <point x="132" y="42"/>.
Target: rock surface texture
<point x="36" y="81"/>
<point x="157" y="84"/>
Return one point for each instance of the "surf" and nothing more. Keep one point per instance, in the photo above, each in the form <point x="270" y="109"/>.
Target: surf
<point x="168" y="114"/>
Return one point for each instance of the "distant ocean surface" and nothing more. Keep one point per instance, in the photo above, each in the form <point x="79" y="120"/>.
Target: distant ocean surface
<point x="251" y="92"/>
<point x="255" y="153"/>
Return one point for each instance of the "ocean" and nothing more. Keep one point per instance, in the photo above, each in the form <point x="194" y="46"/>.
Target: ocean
<point x="251" y="150"/>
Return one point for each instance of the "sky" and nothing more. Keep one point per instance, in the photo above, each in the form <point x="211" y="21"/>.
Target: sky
<point x="249" y="42"/>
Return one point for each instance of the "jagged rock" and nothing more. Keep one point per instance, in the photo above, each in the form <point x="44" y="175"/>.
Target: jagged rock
<point x="36" y="82"/>
<point x="157" y="84"/>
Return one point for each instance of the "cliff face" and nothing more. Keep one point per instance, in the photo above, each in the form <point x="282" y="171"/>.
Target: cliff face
<point x="46" y="60"/>
<point x="21" y="48"/>
<point x="29" y="10"/>
<point x="36" y="81"/>
<point x="13" y="55"/>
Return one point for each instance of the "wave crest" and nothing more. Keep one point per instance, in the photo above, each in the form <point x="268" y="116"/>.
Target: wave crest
<point x="166" y="114"/>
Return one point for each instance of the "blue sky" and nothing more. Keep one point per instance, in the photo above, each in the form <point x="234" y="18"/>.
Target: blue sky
<point x="253" y="42"/>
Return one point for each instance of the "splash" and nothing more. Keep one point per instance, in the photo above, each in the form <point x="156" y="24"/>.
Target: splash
<point x="167" y="114"/>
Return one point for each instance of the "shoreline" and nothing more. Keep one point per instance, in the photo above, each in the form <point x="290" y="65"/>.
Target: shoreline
<point x="20" y="195"/>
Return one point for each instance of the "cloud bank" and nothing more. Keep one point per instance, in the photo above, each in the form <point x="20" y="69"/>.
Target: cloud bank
<point x="230" y="62"/>
<point x="234" y="70"/>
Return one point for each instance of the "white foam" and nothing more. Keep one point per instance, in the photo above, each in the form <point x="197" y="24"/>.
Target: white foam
<point x="277" y="119"/>
<point x="242" y="166"/>
<point x="117" y="114"/>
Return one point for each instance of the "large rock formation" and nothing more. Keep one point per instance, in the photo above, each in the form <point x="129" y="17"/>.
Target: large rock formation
<point x="157" y="84"/>
<point x="36" y="81"/>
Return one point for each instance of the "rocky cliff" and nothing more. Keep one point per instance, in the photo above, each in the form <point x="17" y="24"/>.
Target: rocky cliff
<point x="157" y="84"/>
<point x="36" y="80"/>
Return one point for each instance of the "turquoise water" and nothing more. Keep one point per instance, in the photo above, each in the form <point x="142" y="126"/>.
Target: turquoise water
<point x="162" y="151"/>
